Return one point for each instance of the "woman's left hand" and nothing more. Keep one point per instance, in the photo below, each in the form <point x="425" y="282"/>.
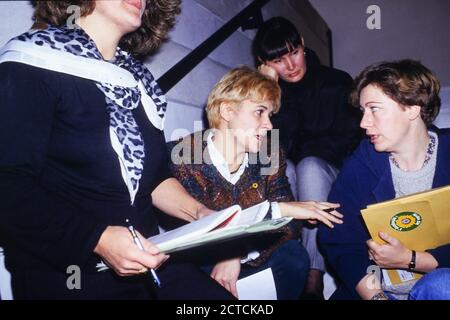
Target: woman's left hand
<point x="202" y="212"/>
<point x="393" y="254"/>
<point x="312" y="211"/>
<point x="227" y="273"/>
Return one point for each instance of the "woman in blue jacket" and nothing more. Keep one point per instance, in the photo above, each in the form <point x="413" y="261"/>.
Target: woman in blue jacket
<point x="402" y="155"/>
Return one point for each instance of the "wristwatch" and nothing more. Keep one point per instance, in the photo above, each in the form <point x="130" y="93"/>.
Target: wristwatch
<point x="412" y="263"/>
<point x="380" y="296"/>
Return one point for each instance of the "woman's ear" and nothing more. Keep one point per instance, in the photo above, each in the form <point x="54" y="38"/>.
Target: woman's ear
<point x="226" y="111"/>
<point x="413" y="112"/>
<point x="303" y="42"/>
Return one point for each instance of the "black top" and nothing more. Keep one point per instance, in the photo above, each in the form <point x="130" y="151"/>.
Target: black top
<point x="60" y="179"/>
<point x="315" y="118"/>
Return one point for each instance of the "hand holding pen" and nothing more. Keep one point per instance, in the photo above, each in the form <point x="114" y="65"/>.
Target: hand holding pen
<point x="125" y="258"/>
<point x="141" y="247"/>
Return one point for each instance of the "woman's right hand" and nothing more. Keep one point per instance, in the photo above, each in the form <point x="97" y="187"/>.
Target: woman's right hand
<point x="268" y="71"/>
<point x="118" y="250"/>
<point x="312" y="211"/>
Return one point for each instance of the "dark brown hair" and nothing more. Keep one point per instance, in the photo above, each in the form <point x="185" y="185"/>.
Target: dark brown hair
<point x="158" y="18"/>
<point x="407" y="82"/>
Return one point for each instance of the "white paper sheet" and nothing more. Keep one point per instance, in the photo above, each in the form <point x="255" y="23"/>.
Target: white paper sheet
<point x="258" y="286"/>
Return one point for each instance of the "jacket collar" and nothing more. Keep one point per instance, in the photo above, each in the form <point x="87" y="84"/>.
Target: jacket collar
<point x="442" y="175"/>
<point x="379" y="164"/>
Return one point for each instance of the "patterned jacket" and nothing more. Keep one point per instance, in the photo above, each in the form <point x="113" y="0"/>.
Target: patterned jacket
<point x="204" y="182"/>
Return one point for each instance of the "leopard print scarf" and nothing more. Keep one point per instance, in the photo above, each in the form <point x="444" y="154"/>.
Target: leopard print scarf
<point x="124" y="81"/>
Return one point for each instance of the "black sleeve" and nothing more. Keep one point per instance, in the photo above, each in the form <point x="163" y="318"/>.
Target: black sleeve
<point x="344" y="246"/>
<point x="344" y="135"/>
<point x="32" y="219"/>
<point x="163" y="171"/>
<point x="442" y="255"/>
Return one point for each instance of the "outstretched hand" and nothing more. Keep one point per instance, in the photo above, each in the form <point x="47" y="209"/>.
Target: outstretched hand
<point x="312" y="211"/>
<point x="392" y="254"/>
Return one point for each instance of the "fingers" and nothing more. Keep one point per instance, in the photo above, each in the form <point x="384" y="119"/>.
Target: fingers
<point x="143" y="270"/>
<point x="334" y="213"/>
<point x="154" y="252"/>
<point x="372" y="245"/>
<point x="329" y="207"/>
<point x="374" y="251"/>
<point x="228" y="284"/>
<point x="203" y="212"/>
<point x="233" y="289"/>
<point x="138" y="262"/>
<point x="268" y="71"/>
<point x="371" y="255"/>
<point x="151" y="260"/>
<point x="128" y="268"/>
<point x="319" y="215"/>
<point x="329" y="204"/>
<point x="325" y="221"/>
<point x="122" y="254"/>
<point x="328" y="218"/>
<point x="148" y="246"/>
<point x="388" y="238"/>
<point x="312" y="210"/>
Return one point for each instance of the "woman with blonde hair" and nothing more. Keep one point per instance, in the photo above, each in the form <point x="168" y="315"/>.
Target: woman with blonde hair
<point x="234" y="170"/>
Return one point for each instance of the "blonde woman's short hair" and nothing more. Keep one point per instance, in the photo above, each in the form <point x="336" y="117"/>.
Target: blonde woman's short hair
<point x="239" y="84"/>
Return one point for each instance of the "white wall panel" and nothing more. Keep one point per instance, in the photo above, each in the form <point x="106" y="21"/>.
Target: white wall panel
<point x="194" y="87"/>
<point x="414" y="29"/>
<point x="15" y="18"/>
<point x="197" y="23"/>
<point x="182" y="119"/>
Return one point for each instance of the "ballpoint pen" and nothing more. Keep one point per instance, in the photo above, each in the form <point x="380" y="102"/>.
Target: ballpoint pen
<point x="141" y="247"/>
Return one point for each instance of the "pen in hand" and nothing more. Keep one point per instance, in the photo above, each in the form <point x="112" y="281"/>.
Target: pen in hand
<point x="141" y="247"/>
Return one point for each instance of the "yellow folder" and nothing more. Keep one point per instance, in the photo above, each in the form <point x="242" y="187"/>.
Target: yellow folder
<point x="420" y="221"/>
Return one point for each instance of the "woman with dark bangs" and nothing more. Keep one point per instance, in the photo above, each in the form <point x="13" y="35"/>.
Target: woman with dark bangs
<point x="83" y="150"/>
<point x="317" y="127"/>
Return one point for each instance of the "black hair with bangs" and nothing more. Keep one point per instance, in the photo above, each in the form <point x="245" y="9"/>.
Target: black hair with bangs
<point x="276" y="37"/>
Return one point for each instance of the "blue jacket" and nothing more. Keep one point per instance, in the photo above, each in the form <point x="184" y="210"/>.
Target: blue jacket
<point x="366" y="179"/>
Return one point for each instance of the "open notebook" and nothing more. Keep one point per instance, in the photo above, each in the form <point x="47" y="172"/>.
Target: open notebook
<point x="226" y="224"/>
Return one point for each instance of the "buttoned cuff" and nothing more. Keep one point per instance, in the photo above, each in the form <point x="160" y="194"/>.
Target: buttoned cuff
<point x="276" y="212"/>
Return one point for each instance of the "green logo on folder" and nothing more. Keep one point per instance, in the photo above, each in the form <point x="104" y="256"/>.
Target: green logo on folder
<point x="406" y="221"/>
